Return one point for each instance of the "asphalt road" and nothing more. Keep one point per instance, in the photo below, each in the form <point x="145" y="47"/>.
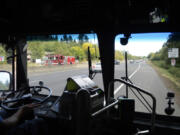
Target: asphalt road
<point x="140" y="73"/>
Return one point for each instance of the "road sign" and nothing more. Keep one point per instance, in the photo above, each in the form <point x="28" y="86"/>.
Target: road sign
<point x="173" y="62"/>
<point x="173" y="52"/>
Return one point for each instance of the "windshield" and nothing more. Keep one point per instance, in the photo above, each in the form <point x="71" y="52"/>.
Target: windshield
<point x="54" y="58"/>
<point x="154" y="65"/>
<point x="152" y="58"/>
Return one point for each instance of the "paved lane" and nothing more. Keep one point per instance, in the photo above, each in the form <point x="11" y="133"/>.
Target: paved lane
<point x="145" y="76"/>
<point x="141" y="74"/>
<point x="56" y="80"/>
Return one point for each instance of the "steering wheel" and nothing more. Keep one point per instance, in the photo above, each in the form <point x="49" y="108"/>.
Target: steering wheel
<point x="33" y="90"/>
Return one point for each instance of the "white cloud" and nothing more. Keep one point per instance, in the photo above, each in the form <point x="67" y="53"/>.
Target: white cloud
<point x="141" y="48"/>
<point x="93" y="41"/>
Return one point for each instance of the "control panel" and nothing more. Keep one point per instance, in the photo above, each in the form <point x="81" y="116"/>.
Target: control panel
<point x="80" y="93"/>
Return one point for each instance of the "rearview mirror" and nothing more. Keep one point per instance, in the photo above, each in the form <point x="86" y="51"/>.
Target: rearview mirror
<point x="5" y="81"/>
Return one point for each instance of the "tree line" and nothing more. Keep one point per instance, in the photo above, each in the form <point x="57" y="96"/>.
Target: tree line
<point x="162" y="55"/>
<point x="5" y="53"/>
<point x="38" y="49"/>
<point x="65" y="37"/>
<point x="40" y="46"/>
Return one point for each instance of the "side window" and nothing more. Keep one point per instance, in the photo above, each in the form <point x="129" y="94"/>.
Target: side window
<point x="5" y="64"/>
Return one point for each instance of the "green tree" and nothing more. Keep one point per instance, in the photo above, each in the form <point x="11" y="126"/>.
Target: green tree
<point x="56" y="38"/>
<point x="81" y="38"/>
<point x="61" y="39"/>
<point x="150" y="56"/>
<point x="96" y="51"/>
<point x="119" y="55"/>
<point x="74" y="41"/>
<point x="70" y="38"/>
<point x="65" y="38"/>
<point x="174" y="42"/>
<point x="39" y="48"/>
<point x="86" y="39"/>
<point x="78" y="52"/>
<point x="86" y="45"/>
<point x="36" y="50"/>
<point x="92" y="49"/>
<point x="2" y="52"/>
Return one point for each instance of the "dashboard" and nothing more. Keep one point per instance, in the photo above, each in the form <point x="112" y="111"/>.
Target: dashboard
<point x="49" y="109"/>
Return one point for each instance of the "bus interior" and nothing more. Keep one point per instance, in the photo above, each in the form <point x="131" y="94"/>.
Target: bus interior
<point x="85" y="105"/>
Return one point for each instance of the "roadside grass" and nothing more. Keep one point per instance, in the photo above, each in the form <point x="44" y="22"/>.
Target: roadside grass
<point x="38" y="68"/>
<point x="30" y="64"/>
<point x="171" y="74"/>
<point x="6" y="67"/>
<point x="34" y="68"/>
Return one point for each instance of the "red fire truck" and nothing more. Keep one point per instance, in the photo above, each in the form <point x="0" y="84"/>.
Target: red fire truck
<point x="55" y="59"/>
<point x="69" y="59"/>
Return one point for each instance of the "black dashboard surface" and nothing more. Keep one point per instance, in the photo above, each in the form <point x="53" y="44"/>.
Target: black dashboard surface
<point x="48" y="109"/>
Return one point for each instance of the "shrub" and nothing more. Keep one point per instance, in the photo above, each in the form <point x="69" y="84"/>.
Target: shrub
<point x="174" y="71"/>
<point x="161" y="64"/>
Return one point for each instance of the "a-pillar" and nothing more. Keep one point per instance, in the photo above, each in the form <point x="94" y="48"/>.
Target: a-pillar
<point x="21" y="64"/>
<point x="106" y="46"/>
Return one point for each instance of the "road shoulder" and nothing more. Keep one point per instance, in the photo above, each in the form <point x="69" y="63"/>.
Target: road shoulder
<point x="168" y="82"/>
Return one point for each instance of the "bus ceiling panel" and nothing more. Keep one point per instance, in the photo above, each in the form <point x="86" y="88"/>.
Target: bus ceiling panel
<point x="72" y="29"/>
<point x="69" y="10"/>
<point x="83" y="16"/>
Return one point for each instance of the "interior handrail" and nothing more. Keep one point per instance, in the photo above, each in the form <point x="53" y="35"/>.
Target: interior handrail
<point x="141" y="96"/>
<point x="105" y="108"/>
<point x="139" y="90"/>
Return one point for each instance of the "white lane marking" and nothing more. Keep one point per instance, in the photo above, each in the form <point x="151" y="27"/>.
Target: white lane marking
<point x="117" y="90"/>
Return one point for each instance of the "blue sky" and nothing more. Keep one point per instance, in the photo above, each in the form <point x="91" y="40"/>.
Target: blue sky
<point x="142" y="44"/>
<point x="147" y="37"/>
<point x="138" y="45"/>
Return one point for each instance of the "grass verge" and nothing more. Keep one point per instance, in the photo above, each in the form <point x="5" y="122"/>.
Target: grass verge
<point x="170" y="75"/>
<point x="38" y="68"/>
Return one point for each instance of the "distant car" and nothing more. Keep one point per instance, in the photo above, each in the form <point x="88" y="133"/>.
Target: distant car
<point x="131" y="61"/>
<point x="116" y="62"/>
<point x="97" y="67"/>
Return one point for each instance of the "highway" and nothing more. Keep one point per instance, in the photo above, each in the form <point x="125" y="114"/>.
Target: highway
<point x="140" y="73"/>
